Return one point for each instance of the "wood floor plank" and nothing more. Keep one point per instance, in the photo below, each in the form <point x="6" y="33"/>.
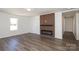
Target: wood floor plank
<point x="34" y="42"/>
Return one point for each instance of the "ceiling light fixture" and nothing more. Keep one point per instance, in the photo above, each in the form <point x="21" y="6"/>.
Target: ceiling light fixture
<point x="28" y="9"/>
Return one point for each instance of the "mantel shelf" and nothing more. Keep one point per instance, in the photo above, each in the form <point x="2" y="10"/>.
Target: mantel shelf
<point x="46" y="25"/>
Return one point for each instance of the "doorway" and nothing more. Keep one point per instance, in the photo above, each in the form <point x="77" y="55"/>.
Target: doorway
<point x="68" y="24"/>
<point x="69" y="27"/>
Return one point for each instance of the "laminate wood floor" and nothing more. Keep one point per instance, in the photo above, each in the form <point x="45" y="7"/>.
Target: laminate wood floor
<point x="34" y="42"/>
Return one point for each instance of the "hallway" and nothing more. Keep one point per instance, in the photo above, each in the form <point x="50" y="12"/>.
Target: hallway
<point x="69" y="39"/>
<point x="69" y="36"/>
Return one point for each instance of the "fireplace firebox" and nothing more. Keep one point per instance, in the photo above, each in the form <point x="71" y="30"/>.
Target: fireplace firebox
<point x="46" y="32"/>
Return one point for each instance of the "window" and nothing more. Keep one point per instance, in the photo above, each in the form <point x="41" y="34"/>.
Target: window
<point x="13" y="24"/>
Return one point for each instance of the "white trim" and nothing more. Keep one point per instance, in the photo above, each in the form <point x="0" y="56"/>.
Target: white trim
<point x="70" y="10"/>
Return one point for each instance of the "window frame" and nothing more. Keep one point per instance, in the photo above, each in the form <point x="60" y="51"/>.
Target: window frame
<point x="13" y="24"/>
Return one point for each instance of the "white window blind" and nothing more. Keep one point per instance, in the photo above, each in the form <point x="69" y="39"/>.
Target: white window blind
<point x="13" y="24"/>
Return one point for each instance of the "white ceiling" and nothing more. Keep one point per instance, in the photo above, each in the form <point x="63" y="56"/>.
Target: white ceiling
<point x="69" y="14"/>
<point x="34" y="11"/>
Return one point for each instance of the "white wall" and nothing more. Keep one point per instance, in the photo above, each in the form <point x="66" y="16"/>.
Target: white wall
<point x="35" y="24"/>
<point x="74" y="26"/>
<point x="69" y="24"/>
<point x="23" y="25"/>
<point x="77" y="26"/>
<point x="63" y="24"/>
<point x="26" y="24"/>
<point x="58" y="25"/>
